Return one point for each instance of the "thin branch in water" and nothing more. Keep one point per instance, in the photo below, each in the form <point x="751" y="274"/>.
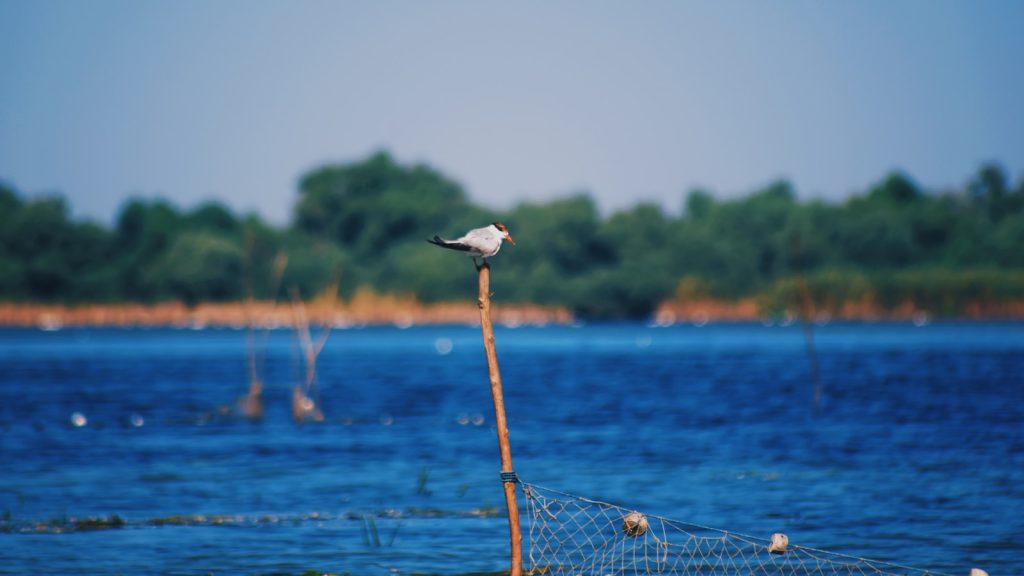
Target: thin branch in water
<point x="306" y="399"/>
<point x="807" y="313"/>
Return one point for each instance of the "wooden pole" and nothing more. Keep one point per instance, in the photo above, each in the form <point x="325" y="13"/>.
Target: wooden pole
<point x="515" y="536"/>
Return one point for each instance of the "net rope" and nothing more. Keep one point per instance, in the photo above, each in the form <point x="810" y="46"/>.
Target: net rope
<point x="569" y="534"/>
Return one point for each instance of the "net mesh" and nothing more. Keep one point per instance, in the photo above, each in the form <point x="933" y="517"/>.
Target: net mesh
<point x="569" y="534"/>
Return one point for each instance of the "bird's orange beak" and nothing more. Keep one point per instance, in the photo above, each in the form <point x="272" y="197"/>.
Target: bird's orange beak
<point x="509" y="236"/>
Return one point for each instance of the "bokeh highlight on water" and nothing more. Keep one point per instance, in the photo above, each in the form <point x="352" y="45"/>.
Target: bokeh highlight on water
<point x="916" y="455"/>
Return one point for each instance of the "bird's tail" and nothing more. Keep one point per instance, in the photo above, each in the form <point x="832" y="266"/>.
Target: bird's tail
<point x="451" y="245"/>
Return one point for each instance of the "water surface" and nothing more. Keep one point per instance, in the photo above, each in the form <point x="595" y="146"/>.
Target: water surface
<point x="915" y="455"/>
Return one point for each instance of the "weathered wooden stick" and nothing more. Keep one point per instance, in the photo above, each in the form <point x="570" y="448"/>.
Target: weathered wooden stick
<point x="303" y="407"/>
<point x="515" y="536"/>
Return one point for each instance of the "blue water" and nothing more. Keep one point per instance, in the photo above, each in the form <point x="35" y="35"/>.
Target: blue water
<point x="915" y="456"/>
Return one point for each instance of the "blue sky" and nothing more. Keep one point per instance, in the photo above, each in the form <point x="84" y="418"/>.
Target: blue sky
<point x="629" y="101"/>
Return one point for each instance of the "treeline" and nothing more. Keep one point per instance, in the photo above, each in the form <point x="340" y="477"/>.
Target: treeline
<point x="368" y="221"/>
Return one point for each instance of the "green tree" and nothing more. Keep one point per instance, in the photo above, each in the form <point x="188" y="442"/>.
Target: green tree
<point x="370" y="206"/>
<point x="212" y="216"/>
<point x="200" y="266"/>
<point x="40" y="236"/>
<point x="145" y="231"/>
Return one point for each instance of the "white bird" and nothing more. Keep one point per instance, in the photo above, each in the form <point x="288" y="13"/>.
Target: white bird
<point x="484" y="242"/>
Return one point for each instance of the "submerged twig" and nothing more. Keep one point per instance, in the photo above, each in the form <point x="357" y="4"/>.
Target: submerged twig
<point x="306" y="398"/>
<point x="807" y="313"/>
<point x="251" y="405"/>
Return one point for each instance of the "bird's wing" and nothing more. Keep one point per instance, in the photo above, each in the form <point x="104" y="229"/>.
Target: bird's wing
<point x="487" y="241"/>
<point x="481" y="238"/>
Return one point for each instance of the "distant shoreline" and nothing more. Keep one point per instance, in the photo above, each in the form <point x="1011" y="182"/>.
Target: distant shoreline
<point x="406" y="311"/>
<point x="383" y="311"/>
<point x="752" y="309"/>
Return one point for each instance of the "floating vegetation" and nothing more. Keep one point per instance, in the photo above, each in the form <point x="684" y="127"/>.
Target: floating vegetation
<point x="60" y="525"/>
<point x="112" y="522"/>
<point x="199" y="519"/>
<point x="484" y="512"/>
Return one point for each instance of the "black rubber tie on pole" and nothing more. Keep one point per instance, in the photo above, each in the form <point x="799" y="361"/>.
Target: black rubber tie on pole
<point x="510" y="477"/>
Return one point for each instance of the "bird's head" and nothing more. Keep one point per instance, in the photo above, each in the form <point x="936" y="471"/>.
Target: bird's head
<point x="504" y="231"/>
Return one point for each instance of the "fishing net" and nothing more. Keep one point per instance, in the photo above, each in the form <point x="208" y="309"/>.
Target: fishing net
<point x="573" y="535"/>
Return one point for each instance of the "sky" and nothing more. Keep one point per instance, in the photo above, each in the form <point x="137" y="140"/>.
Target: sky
<point x="235" y="100"/>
